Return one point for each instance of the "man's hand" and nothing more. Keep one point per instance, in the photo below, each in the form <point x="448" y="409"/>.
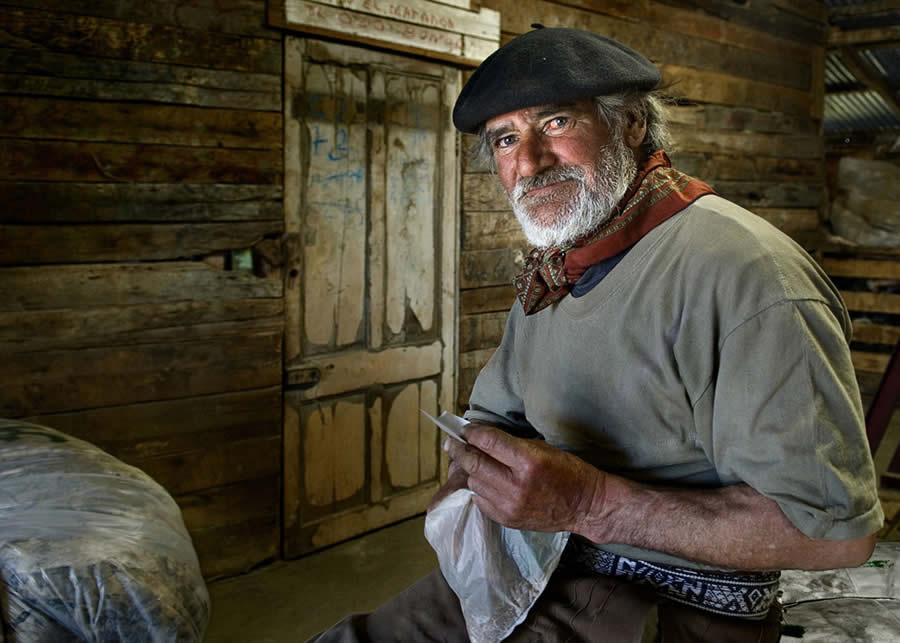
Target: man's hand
<point x="527" y="484"/>
<point x="456" y="480"/>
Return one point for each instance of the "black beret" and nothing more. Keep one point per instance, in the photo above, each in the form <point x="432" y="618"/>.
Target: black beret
<point x="550" y="65"/>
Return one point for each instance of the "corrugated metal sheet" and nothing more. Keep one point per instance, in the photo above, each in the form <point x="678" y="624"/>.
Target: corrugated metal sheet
<point x="851" y="107"/>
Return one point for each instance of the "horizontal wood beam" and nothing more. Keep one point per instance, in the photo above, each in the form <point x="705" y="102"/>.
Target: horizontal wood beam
<point x="867" y="9"/>
<point x="881" y="36"/>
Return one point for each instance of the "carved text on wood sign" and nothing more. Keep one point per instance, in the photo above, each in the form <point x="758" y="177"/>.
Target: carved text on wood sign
<point x="417" y="26"/>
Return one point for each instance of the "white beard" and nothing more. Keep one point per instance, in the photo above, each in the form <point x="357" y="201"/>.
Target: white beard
<point x="593" y="205"/>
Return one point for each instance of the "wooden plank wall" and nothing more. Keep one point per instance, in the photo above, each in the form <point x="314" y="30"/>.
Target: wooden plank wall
<point x="140" y="146"/>
<point x="750" y="77"/>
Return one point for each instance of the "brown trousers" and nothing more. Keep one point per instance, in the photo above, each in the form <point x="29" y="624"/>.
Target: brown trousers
<point x="575" y="607"/>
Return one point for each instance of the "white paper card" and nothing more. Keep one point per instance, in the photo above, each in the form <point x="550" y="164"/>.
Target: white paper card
<point x="449" y="423"/>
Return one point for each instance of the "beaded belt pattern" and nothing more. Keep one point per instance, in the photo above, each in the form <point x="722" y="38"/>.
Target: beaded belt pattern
<point x="742" y="594"/>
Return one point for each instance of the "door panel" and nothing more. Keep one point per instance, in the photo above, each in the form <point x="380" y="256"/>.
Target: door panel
<point x="371" y="222"/>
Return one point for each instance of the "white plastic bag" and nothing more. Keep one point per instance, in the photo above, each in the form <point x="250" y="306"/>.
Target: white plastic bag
<point x="496" y="572"/>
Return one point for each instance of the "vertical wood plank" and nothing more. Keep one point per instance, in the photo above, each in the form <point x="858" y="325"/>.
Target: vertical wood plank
<point x="350" y="448"/>
<point x="291" y="455"/>
<point x="376" y="449"/>
<point x="293" y="186"/>
<point x="318" y="456"/>
<point x="428" y="433"/>
<point x="335" y="205"/>
<point x="449" y="242"/>
<point x="377" y="205"/>
<point x="413" y="118"/>
<point x="402" y="440"/>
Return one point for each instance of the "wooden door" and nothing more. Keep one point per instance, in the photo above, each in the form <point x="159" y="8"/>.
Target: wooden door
<point x="371" y="226"/>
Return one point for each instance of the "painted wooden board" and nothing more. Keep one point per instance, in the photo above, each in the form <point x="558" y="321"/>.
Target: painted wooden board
<point x="484" y="23"/>
<point x="366" y="28"/>
<point x="412" y="129"/>
<point x="370" y="201"/>
<point x="333" y="252"/>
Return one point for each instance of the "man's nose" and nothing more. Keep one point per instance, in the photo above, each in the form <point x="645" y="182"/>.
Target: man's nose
<point x="533" y="155"/>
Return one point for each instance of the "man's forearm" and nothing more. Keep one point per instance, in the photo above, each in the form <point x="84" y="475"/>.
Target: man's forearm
<point x="733" y="527"/>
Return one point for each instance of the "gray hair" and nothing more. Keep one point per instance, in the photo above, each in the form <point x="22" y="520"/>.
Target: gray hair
<point x="615" y="110"/>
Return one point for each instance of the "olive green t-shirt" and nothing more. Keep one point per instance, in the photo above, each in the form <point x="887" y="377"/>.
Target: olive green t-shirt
<point x="715" y="352"/>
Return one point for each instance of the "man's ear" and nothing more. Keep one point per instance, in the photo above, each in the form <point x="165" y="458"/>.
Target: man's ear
<point x="635" y="131"/>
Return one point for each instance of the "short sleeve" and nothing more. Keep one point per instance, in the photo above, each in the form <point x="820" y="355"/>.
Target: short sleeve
<point x="783" y="414"/>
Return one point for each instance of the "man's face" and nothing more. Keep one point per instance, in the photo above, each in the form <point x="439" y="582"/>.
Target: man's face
<point x="563" y="170"/>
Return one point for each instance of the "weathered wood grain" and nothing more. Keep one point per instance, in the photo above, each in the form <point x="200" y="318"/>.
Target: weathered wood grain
<point x="98" y="285"/>
<point x="869" y="333"/>
<point x="242" y="17"/>
<point x="790" y="221"/>
<point x="696" y="24"/>
<point x="44" y="330"/>
<point x="90" y="36"/>
<point x="27" y="160"/>
<point x="215" y="464"/>
<point x="780" y="145"/>
<point x="872" y="302"/>
<point x="870" y="362"/>
<point x="44" y="202"/>
<point x="68" y="380"/>
<point x="237" y="548"/>
<point x="852" y="267"/>
<point x="712" y="167"/>
<point x="764" y="15"/>
<point x="138" y="431"/>
<point x="481" y="331"/>
<point x="479" y="268"/>
<point x="78" y="120"/>
<point x="753" y="195"/>
<point x="491" y="230"/>
<point x="747" y="119"/>
<point x="716" y="87"/>
<point x="27" y="244"/>
<point x="401" y="439"/>
<point x="659" y="44"/>
<point x="27" y="71"/>
<point x="486" y="300"/>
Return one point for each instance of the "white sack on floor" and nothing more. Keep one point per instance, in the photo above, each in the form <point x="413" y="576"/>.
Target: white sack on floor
<point x="91" y="549"/>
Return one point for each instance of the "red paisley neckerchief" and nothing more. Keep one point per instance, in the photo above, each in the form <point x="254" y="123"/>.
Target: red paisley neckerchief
<point x="657" y="192"/>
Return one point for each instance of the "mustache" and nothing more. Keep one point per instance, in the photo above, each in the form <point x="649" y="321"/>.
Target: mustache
<point x="553" y="175"/>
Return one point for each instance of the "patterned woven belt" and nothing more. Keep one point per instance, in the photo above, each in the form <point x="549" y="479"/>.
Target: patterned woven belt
<point x="742" y="594"/>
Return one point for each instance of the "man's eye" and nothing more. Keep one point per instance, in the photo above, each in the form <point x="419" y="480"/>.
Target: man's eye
<point x="504" y="141"/>
<point x="557" y="123"/>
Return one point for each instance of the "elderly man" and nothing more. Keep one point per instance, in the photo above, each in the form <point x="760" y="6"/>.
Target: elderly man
<point x="674" y="384"/>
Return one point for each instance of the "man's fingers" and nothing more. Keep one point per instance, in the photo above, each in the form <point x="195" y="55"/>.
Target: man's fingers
<point x="500" y="445"/>
<point x="474" y="461"/>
